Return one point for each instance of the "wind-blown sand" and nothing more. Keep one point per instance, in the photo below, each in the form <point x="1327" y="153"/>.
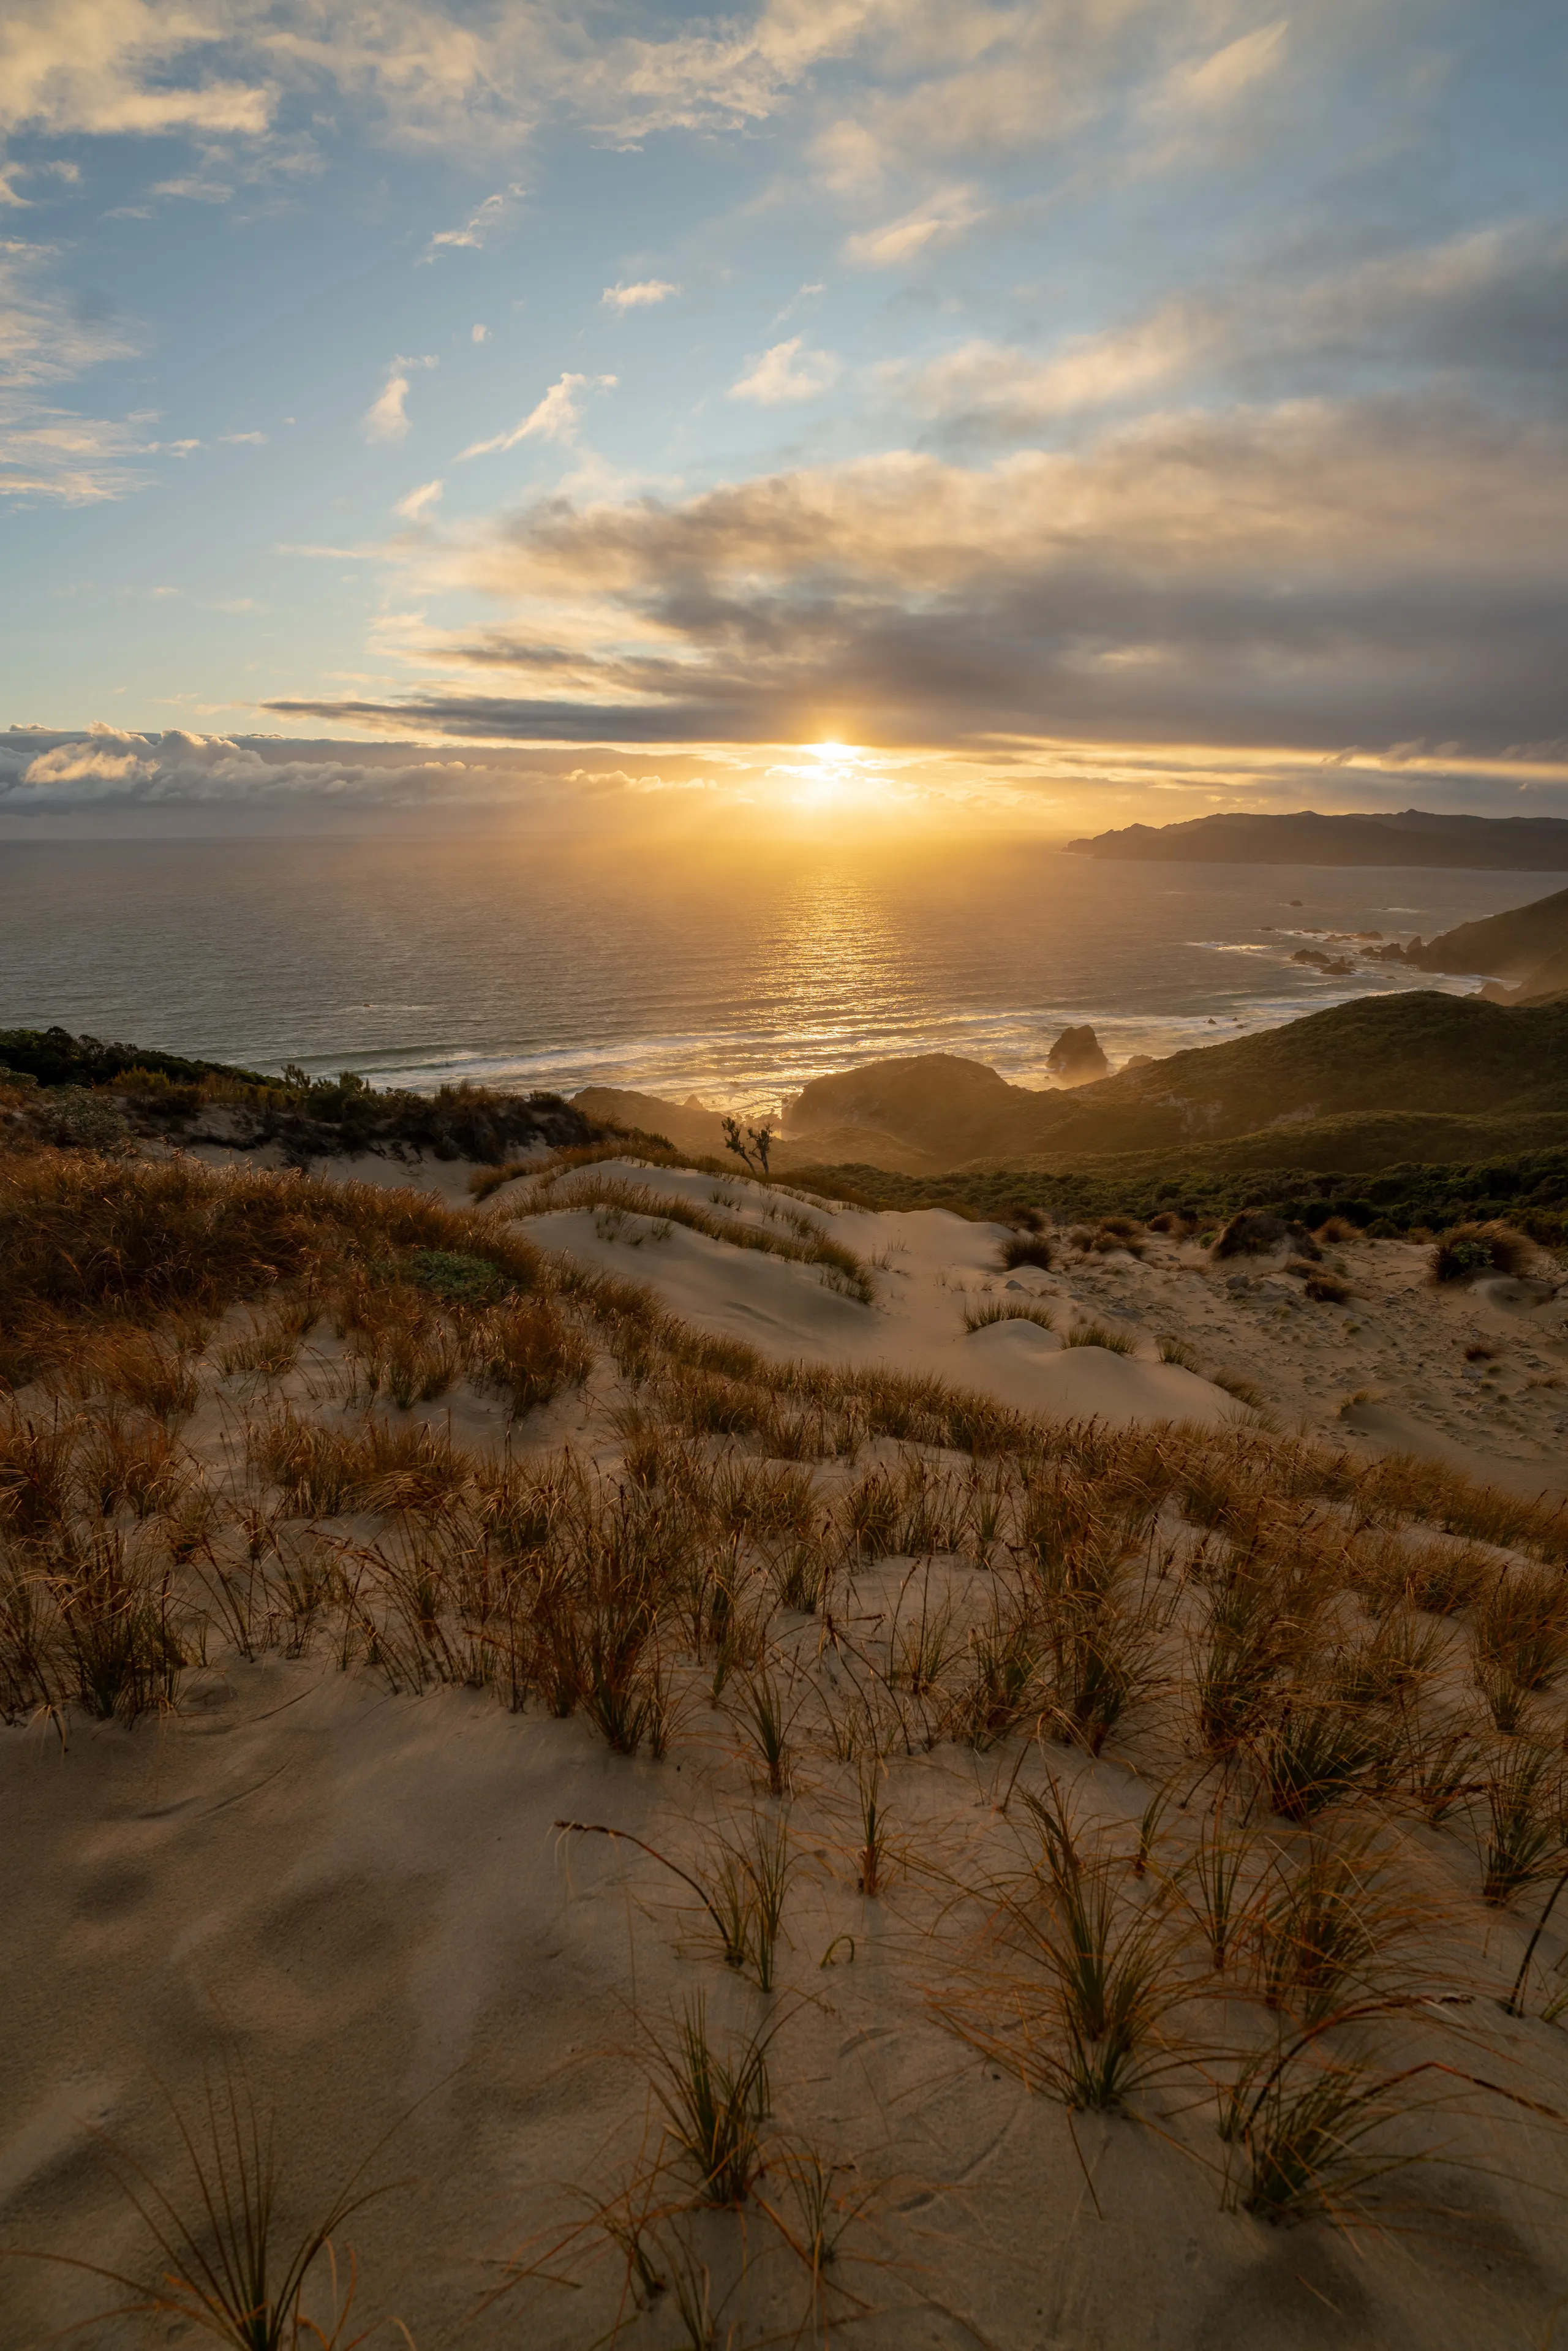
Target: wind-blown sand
<point x="365" y="1897"/>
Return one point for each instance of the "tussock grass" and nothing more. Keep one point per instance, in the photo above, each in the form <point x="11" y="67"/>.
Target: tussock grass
<point x="715" y="2102"/>
<point x="228" y="2266"/>
<point x="1026" y="1248"/>
<point x="980" y="1318"/>
<point x="1096" y="1334"/>
<point x="1494" y="1247"/>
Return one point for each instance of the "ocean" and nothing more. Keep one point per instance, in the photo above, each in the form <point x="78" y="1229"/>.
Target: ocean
<point x="737" y="975"/>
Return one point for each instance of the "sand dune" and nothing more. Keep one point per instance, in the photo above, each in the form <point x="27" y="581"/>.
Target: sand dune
<point x="338" y="1862"/>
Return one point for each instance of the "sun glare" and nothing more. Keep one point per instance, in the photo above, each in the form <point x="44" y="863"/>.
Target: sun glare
<point x="837" y="777"/>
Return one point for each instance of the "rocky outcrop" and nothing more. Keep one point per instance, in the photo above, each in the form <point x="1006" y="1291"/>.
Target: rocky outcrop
<point x="1077" y="1058"/>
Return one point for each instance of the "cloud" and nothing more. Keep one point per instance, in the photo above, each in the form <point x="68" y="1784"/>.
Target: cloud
<point x="938" y="222"/>
<point x="47" y="771"/>
<point x="245" y="440"/>
<point x="195" y="190"/>
<point x="418" y="502"/>
<point x="998" y="386"/>
<point x="51" y="453"/>
<point x="475" y="228"/>
<point x="555" y="418"/>
<point x="43" y="338"/>
<point x="646" y="291"/>
<point x="1489" y="308"/>
<point x="109" y="67"/>
<point x="387" y="420"/>
<point x="477" y="334"/>
<point x="1221" y="78"/>
<point x="1306" y="574"/>
<point x="788" y="372"/>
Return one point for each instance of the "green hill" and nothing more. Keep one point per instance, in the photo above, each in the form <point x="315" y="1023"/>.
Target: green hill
<point x="1512" y="945"/>
<point x="1418" y="1055"/>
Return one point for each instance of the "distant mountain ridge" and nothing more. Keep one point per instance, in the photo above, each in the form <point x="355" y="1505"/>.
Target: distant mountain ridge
<point x="1504" y="844"/>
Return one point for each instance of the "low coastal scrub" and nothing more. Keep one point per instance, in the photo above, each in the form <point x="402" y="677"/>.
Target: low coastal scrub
<point x="1528" y="1189"/>
<point x="1256" y="1742"/>
<point x="78" y="1090"/>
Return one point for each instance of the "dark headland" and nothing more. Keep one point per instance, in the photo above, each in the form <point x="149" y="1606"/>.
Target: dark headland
<point x="1510" y="844"/>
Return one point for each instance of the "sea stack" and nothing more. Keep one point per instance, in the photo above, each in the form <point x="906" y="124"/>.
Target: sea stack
<point x="1077" y="1057"/>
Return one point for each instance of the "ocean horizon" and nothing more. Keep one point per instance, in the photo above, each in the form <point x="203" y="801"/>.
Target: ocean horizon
<point x="738" y="976"/>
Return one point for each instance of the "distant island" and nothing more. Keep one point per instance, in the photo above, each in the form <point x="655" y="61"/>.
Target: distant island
<point x="1508" y="844"/>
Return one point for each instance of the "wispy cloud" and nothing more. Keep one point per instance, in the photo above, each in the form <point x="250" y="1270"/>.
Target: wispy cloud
<point x="195" y="189"/>
<point x="646" y="291"/>
<point x="419" y="503"/>
<point x="476" y="227"/>
<point x="788" y="372"/>
<point x="555" y="418"/>
<point x="1224" y="75"/>
<point x="51" y="453"/>
<point x="387" y="420"/>
<point x="939" y="221"/>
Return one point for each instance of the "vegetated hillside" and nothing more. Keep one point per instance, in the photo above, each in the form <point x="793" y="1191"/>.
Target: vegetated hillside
<point x="1548" y="979"/>
<point x="1530" y="1189"/>
<point x="1416" y="1052"/>
<point x="1413" y="837"/>
<point x="689" y="1125"/>
<point x="1420" y="1054"/>
<point x="86" y="1087"/>
<point x="1512" y="945"/>
<point x="930" y="1108"/>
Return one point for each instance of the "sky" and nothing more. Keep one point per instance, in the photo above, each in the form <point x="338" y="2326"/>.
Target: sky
<point x="1047" y="412"/>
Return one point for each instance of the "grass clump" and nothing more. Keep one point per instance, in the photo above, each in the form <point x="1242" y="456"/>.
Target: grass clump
<point x="980" y="1318"/>
<point x="1096" y="1334"/>
<point x="1492" y="1246"/>
<point x="714" y="2104"/>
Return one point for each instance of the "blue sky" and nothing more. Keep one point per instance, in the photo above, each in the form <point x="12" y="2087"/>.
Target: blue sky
<point x="1073" y="407"/>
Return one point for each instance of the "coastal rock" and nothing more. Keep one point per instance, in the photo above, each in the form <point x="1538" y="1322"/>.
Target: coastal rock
<point x="1077" y="1058"/>
<point x="1331" y="966"/>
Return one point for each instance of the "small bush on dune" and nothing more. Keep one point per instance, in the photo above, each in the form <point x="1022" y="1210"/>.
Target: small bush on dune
<point x="1257" y="1233"/>
<point x="1491" y="1248"/>
<point x="1118" y="1233"/>
<point x="1026" y="1248"/>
